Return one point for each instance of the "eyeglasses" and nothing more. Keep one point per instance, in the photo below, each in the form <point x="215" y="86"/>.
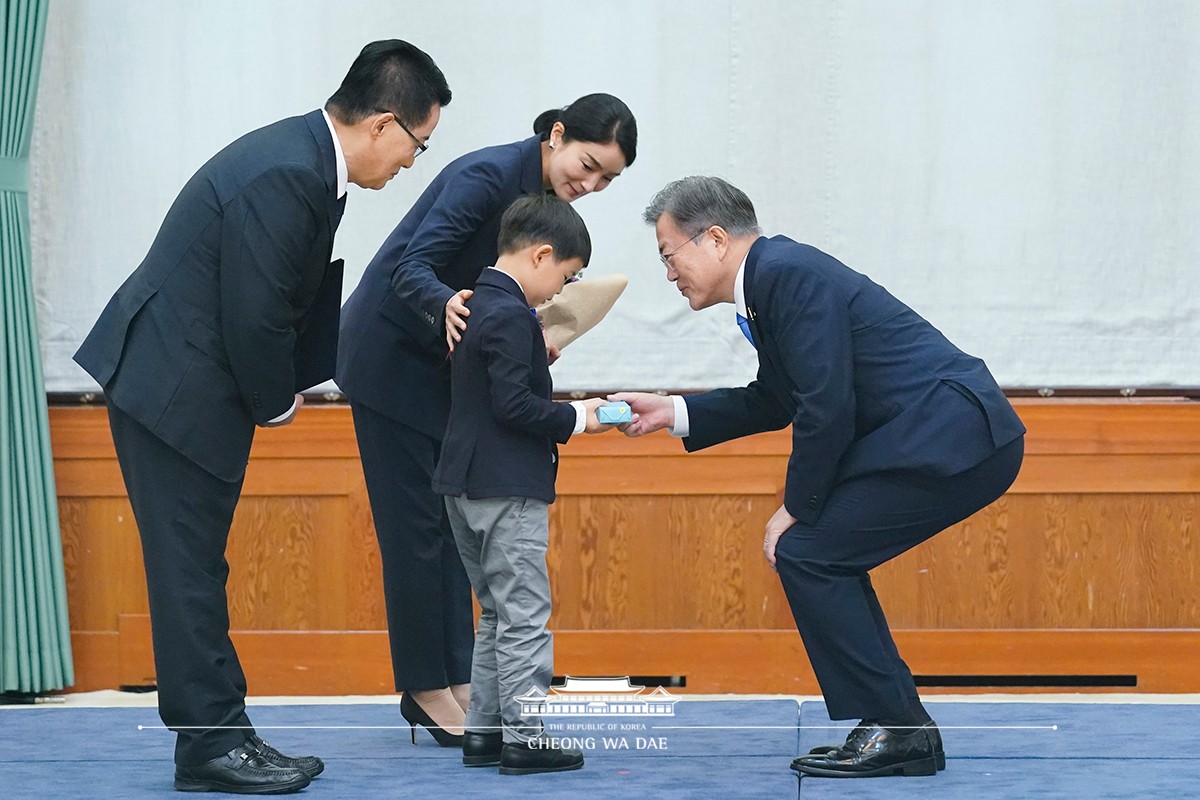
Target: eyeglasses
<point x="421" y="146"/>
<point x="665" y="258"/>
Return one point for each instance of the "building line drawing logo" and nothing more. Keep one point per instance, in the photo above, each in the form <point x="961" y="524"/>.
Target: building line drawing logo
<point x="606" y="697"/>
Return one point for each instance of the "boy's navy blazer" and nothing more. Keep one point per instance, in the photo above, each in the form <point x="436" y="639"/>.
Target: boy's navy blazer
<point x="205" y="339"/>
<point x="867" y="384"/>
<point x="392" y="347"/>
<point x="501" y="436"/>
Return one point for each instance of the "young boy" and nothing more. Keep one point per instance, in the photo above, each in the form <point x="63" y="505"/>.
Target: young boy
<point x="497" y="469"/>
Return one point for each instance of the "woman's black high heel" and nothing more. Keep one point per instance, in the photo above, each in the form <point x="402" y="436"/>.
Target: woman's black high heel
<point x="414" y="715"/>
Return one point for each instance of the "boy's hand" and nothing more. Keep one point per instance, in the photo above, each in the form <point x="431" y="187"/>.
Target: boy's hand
<point x="594" y="425"/>
<point x="456" y="316"/>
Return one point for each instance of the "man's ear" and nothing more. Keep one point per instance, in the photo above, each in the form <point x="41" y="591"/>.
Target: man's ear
<point x="379" y="123"/>
<point x="720" y="238"/>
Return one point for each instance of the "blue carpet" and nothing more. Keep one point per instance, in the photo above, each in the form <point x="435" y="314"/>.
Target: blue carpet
<point x="100" y="753"/>
<point x="709" y="749"/>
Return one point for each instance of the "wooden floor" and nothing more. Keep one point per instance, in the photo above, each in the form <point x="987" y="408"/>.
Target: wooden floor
<point x="1085" y="571"/>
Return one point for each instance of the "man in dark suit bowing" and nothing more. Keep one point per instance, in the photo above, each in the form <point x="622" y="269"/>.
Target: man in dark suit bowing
<point x="216" y="332"/>
<point x="896" y="435"/>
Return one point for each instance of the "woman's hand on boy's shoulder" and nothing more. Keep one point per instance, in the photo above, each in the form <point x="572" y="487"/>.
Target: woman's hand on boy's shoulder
<point x="456" y="316"/>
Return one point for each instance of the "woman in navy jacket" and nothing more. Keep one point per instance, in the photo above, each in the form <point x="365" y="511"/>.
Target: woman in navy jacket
<point x="396" y="332"/>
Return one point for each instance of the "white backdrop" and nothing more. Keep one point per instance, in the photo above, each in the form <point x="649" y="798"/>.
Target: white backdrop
<point x="1025" y="173"/>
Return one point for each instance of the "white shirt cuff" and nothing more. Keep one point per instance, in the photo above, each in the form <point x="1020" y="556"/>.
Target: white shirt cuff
<point x="580" y="417"/>
<point x="283" y="416"/>
<point x="681" y="428"/>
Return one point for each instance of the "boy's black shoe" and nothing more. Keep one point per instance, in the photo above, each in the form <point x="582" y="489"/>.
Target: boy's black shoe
<point x="481" y="749"/>
<point x="531" y="757"/>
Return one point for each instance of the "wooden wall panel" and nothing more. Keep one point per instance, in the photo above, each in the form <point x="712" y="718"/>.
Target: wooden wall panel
<point x="655" y="557"/>
<point x="1055" y="561"/>
<point x="102" y="559"/>
<point x="662" y="562"/>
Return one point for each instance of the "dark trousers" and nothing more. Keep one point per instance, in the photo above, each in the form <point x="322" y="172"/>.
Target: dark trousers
<point x="183" y="515"/>
<point x="431" y="623"/>
<point x="823" y="568"/>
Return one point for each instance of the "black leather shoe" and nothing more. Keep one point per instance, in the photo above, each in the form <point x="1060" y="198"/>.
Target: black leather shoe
<point x="939" y="754"/>
<point x="827" y="750"/>
<point x="533" y="756"/>
<point x="871" y="751"/>
<point x="481" y="749"/>
<point x="243" y="770"/>
<point x="309" y="765"/>
<point x="824" y="749"/>
<point x="414" y="715"/>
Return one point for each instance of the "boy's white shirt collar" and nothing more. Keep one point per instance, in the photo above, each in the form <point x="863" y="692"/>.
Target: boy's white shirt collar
<point x="517" y="282"/>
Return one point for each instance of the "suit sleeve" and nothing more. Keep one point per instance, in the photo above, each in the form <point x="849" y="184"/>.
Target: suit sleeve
<point x="502" y="342"/>
<point x="468" y="200"/>
<point x="810" y="320"/>
<point x="724" y="414"/>
<point x="268" y="234"/>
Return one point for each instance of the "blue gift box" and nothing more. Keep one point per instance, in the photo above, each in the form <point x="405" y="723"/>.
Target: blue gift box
<point x="613" y="413"/>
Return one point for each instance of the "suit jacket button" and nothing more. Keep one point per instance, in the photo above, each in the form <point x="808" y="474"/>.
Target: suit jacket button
<point x="812" y="502"/>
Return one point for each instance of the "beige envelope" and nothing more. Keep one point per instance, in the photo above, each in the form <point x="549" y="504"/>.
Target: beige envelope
<point x="576" y="310"/>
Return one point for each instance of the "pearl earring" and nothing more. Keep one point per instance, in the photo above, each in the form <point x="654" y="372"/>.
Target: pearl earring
<point x="551" y="143"/>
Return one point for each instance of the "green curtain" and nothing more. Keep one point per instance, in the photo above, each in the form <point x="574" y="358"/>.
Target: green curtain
<point x="35" y="640"/>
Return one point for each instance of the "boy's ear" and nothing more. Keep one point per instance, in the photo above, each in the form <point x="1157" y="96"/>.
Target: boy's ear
<point x="542" y="252"/>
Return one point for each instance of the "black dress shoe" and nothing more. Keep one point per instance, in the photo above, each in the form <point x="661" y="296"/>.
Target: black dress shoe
<point x="481" y="749"/>
<point x="872" y="750"/>
<point x="309" y="765"/>
<point x="824" y="749"/>
<point x="243" y="770"/>
<point x="533" y="756"/>
<point x="939" y="754"/>
<point x="414" y="715"/>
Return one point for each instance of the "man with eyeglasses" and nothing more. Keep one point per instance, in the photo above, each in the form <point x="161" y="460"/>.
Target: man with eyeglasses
<point x="234" y="311"/>
<point x="896" y="435"/>
<point x="420" y="145"/>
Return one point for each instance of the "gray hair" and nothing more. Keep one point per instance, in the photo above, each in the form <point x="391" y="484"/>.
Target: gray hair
<point x="698" y="202"/>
